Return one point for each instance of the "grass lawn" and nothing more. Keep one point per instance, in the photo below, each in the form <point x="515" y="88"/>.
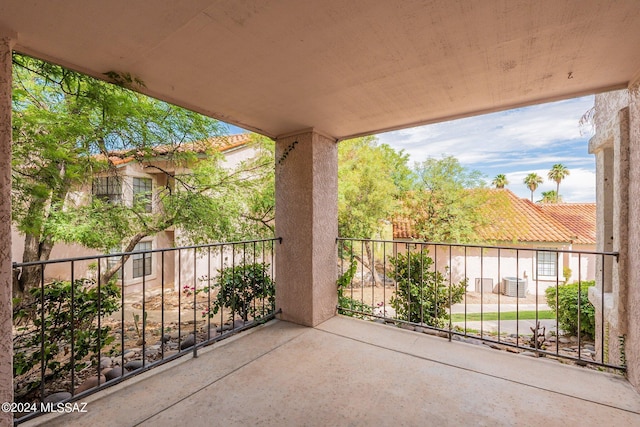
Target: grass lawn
<point x="505" y="315"/>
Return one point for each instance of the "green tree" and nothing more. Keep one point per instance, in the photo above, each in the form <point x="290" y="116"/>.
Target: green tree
<point x="532" y="181"/>
<point x="371" y="180"/>
<point x="557" y="173"/>
<point x="69" y="127"/>
<point x="447" y="204"/>
<point x="550" y="197"/>
<point x="500" y="181"/>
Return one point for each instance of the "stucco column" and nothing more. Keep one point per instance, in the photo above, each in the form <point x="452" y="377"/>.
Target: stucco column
<point x="307" y="222"/>
<point x="604" y="212"/>
<point x="621" y="218"/>
<point x="611" y="146"/>
<point x="632" y="338"/>
<point x="6" y="323"/>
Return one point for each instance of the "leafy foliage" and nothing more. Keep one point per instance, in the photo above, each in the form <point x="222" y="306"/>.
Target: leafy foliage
<point x="371" y="179"/>
<point x="423" y="294"/>
<point x="446" y="206"/>
<point x="557" y="173"/>
<point x="350" y="305"/>
<point x="550" y="196"/>
<point x="567" y="307"/>
<point x="69" y="128"/>
<point x="247" y="290"/>
<point x="500" y="181"/>
<point x="50" y="317"/>
<point x="532" y="181"/>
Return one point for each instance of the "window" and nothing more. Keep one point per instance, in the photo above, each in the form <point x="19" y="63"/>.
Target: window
<point x="142" y="262"/>
<point x="114" y="260"/>
<point x="142" y="192"/>
<point x="547" y="264"/>
<point x="107" y="189"/>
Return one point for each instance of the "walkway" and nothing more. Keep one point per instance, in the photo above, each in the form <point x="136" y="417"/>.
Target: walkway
<point x="351" y="372"/>
<point x="521" y="327"/>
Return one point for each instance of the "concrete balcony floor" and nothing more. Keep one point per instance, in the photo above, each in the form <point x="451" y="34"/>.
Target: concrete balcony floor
<point x="352" y="372"/>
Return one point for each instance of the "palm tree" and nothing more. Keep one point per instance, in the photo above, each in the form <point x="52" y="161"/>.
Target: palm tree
<point x="500" y="181"/>
<point x="550" y="197"/>
<point x="532" y="181"/>
<point x="557" y="173"/>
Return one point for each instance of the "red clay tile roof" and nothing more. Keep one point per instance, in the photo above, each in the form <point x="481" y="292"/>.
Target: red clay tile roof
<point x="580" y="218"/>
<point x="513" y="219"/>
<point x="402" y="228"/>
<point x="222" y="143"/>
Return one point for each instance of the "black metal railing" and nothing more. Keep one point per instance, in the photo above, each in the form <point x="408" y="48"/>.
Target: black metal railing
<point x="91" y="322"/>
<point x="512" y="298"/>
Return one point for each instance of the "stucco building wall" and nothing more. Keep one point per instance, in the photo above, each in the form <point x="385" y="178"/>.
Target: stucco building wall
<point x="6" y="320"/>
<point x="616" y="146"/>
<point x="632" y="342"/>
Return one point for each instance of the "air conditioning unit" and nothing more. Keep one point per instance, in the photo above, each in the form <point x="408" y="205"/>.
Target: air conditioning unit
<point x="514" y="287"/>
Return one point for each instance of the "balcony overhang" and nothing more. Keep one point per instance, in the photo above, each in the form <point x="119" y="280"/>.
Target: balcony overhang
<point x="344" y="67"/>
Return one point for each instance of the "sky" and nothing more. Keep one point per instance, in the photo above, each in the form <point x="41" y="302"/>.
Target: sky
<point x="515" y="143"/>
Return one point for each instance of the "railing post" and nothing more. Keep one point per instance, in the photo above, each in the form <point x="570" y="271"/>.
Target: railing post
<point x="450" y="282"/>
<point x="195" y="301"/>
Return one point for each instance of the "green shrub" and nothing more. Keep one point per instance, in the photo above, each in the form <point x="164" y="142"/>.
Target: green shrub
<point x="246" y="290"/>
<point x="348" y="305"/>
<point x="567" y="308"/>
<point x="48" y="317"/>
<point x="423" y="294"/>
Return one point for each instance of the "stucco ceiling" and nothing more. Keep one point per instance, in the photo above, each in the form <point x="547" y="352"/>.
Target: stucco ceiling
<point x="344" y="67"/>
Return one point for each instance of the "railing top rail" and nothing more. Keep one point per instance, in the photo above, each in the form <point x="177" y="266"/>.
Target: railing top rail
<point x="481" y="246"/>
<point x="120" y="254"/>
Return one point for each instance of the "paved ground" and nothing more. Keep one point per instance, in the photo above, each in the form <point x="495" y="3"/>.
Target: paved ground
<point x="522" y="327"/>
<point x="493" y="308"/>
<point x="351" y="372"/>
<point x="504" y="326"/>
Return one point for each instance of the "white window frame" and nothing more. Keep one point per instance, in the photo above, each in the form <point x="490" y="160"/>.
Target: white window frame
<point x="142" y="263"/>
<point x="143" y="192"/>
<point x="107" y="188"/>
<point x="551" y="260"/>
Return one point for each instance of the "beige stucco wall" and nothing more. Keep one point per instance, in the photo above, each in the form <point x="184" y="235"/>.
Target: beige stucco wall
<point x="237" y="155"/>
<point x="607" y="105"/>
<point x="476" y="263"/>
<point x="6" y="323"/>
<point x="632" y="342"/>
<point x="57" y="271"/>
<point x="87" y="268"/>
<point x="616" y="145"/>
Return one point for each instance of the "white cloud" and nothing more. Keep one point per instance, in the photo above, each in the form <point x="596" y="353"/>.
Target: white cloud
<point x="525" y="131"/>
<point x="515" y="142"/>
<point x="579" y="186"/>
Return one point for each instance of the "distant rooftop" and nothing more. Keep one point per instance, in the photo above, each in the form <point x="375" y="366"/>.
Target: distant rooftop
<point x="580" y="218"/>
<point x="519" y="220"/>
<point x="221" y="143"/>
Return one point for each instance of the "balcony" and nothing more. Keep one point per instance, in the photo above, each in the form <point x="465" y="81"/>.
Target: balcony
<point x="177" y="67"/>
<point x="457" y="363"/>
<point x="352" y="372"/>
